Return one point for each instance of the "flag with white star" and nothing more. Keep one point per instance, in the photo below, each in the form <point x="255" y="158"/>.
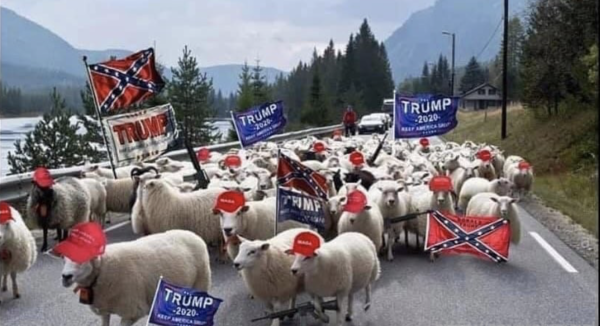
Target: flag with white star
<point x="295" y="175"/>
<point x="120" y="83"/>
<point x="486" y="237"/>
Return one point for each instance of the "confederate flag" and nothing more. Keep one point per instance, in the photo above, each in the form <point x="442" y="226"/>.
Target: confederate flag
<point x="295" y="175"/>
<point x="121" y="83"/>
<point x="487" y="237"/>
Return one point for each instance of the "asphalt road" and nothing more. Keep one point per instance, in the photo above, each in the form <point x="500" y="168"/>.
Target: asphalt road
<point x="533" y="288"/>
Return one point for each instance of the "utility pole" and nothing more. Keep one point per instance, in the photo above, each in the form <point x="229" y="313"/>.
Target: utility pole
<point x="453" y="48"/>
<point x="504" y="69"/>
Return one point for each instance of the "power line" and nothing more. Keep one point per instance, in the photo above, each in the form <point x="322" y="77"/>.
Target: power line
<point x="491" y="38"/>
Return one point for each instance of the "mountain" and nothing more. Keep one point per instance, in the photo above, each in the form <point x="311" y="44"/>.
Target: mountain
<point x="474" y="22"/>
<point x="34" y="58"/>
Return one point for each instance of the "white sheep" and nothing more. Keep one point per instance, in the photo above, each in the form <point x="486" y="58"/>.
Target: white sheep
<point x="368" y="221"/>
<point x="63" y="205"/>
<point x="521" y="178"/>
<point x="265" y="268"/>
<point x="18" y="251"/>
<point x="165" y="208"/>
<point x="179" y="256"/>
<point x="486" y="170"/>
<point x="511" y="161"/>
<point x="386" y="195"/>
<point x="340" y="268"/>
<point x="254" y="221"/>
<point x="122" y="172"/>
<point x="474" y="186"/>
<point x="489" y="204"/>
<point x="98" y="199"/>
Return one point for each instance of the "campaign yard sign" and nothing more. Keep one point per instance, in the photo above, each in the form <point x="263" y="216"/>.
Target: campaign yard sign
<point x="301" y="208"/>
<point x="142" y="135"/>
<point x="424" y="116"/>
<point x="259" y="123"/>
<point x="174" y="306"/>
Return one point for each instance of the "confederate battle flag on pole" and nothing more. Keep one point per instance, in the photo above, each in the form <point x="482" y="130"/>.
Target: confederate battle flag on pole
<point x="120" y="83"/>
<point x="486" y="237"/>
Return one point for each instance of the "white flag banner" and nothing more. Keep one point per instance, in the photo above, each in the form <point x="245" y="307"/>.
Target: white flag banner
<point x="142" y="135"/>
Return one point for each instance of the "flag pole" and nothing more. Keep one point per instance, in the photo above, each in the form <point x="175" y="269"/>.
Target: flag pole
<point x="394" y="122"/>
<point x="277" y="192"/>
<point x="99" y="117"/>
<point x="237" y="131"/>
<point x="154" y="300"/>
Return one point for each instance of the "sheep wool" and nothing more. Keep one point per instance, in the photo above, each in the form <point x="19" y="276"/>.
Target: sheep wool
<point x="490" y="204"/>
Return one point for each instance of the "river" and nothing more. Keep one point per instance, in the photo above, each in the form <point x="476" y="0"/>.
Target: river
<point x="16" y="128"/>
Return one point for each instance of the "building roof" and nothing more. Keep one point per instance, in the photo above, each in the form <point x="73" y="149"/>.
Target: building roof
<point x="478" y="87"/>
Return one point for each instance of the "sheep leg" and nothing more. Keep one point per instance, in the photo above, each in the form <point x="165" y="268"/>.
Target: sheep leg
<point x="406" y="238"/>
<point x="343" y="308"/>
<point x="350" y="303"/>
<point x="390" y="245"/>
<point x="45" y="243"/>
<point x="15" y="287"/>
<point x="127" y="322"/>
<point x="58" y="234"/>
<point x="318" y="303"/>
<point x="105" y="320"/>
<point x="367" y="297"/>
<point x="276" y="307"/>
<point x="5" y="283"/>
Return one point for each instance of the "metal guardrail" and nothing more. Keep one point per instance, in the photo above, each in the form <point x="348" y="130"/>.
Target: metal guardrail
<point x="15" y="187"/>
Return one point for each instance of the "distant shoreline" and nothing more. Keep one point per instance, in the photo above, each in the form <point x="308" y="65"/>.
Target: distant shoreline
<point x="29" y="115"/>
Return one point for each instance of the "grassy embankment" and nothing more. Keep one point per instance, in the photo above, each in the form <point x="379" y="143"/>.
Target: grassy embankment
<point x="561" y="149"/>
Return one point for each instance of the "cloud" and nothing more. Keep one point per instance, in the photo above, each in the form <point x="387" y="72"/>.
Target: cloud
<point x="279" y="32"/>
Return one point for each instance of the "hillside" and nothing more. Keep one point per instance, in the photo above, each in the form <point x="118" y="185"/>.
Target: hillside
<point x="420" y="38"/>
<point x="561" y="150"/>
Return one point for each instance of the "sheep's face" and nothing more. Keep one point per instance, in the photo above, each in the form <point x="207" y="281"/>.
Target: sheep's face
<point x="154" y="185"/>
<point x="470" y="171"/>
<point x="503" y="203"/>
<point x="390" y="195"/>
<point x="333" y="162"/>
<point x="249" y="253"/>
<point x="303" y="264"/>
<point x="6" y="230"/>
<point x="353" y="217"/>
<point x="75" y="273"/>
<point x="335" y="204"/>
<point x="442" y="197"/>
<point x="232" y="223"/>
<point x="264" y="180"/>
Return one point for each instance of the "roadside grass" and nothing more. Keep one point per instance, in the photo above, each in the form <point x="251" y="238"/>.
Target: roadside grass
<point x="561" y="150"/>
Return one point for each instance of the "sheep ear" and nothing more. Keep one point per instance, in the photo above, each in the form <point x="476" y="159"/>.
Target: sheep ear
<point x="399" y="189"/>
<point x="368" y="207"/>
<point x="245" y="208"/>
<point x="343" y="199"/>
<point x="264" y="246"/>
<point x="476" y="167"/>
<point x="425" y="175"/>
<point x="514" y="200"/>
<point x="246" y="189"/>
<point x="289" y="252"/>
<point x="494" y="199"/>
<point x="216" y="211"/>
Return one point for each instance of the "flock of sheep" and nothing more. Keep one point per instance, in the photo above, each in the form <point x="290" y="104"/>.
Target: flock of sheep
<point x="178" y="223"/>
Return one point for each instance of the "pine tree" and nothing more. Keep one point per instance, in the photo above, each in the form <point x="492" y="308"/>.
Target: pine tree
<point x="54" y="143"/>
<point x="188" y="93"/>
<point x="245" y="90"/>
<point x="316" y="111"/>
<point x="89" y="118"/>
<point x="260" y="90"/>
<point x="474" y="76"/>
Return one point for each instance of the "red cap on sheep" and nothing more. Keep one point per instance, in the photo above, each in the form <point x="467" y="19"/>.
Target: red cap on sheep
<point x="524" y="165"/>
<point x="86" y="241"/>
<point x="306" y="243"/>
<point x="440" y="183"/>
<point x="424" y="142"/>
<point x="230" y="201"/>
<point x="42" y="178"/>
<point x="203" y="154"/>
<point x="5" y="213"/>
<point x="484" y="155"/>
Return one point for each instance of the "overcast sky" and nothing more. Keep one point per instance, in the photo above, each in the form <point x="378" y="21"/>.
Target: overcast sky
<point x="279" y="32"/>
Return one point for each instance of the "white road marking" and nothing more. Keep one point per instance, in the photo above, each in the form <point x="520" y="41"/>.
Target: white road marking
<point x="116" y="226"/>
<point x="552" y="252"/>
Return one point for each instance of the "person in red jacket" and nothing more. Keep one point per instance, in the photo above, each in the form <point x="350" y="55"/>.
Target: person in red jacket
<point x="349" y="121"/>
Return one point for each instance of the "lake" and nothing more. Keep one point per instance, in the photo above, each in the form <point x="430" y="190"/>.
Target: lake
<point x="15" y="128"/>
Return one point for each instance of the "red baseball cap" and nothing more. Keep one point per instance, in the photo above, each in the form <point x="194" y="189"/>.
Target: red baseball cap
<point x="306" y="243"/>
<point x="230" y="201"/>
<point x="355" y="202"/>
<point x="85" y="242"/>
<point x="5" y="213"/>
<point x="441" y="183"/>
<point x="337" y="132"/>
<point x="203" y="154"/>
<point x="232" y="161"/>
<point x="319" y="147"/>
<point x="42" y="177"/>
<point x="424" y="142"/>
<point x="524" y="165"/>
<point x="356" y="158"/>
<point x="484" y="155"/>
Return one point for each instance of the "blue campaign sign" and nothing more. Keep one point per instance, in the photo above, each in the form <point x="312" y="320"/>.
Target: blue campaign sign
<point x="259" y="123"/>
<point x="175" y="306"/>
<point x="424" y="116"/>
<point x="301" y="208"/>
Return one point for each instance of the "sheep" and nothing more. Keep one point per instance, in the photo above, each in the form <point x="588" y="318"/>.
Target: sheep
<point x="165" y="208"/>
<point x="98" y="199"/>
<point x="385" y="194"/>
<point x="122" y="172"/>
<point x="179" y="256"/>
<point x="473" y="186"/>
<point x="521" y="177"/>
<point x="340" y="268"/>
<point x="489" y="204"/>
<point x="60" y="206"/>
<point x="367" y="221"/>
<point x="265" y="268"/>
<point x="314" y="165"/>
<point x="18" y="251"/>
<point x="253" y="221"/>
<point x="486" y="170"/>
<point x="510" y="162"/>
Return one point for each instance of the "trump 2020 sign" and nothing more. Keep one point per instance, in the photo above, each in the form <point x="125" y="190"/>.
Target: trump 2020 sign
<point x="424" y="116"/>
<point x="259" y="123"/>
<point x="174" y="305"/>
